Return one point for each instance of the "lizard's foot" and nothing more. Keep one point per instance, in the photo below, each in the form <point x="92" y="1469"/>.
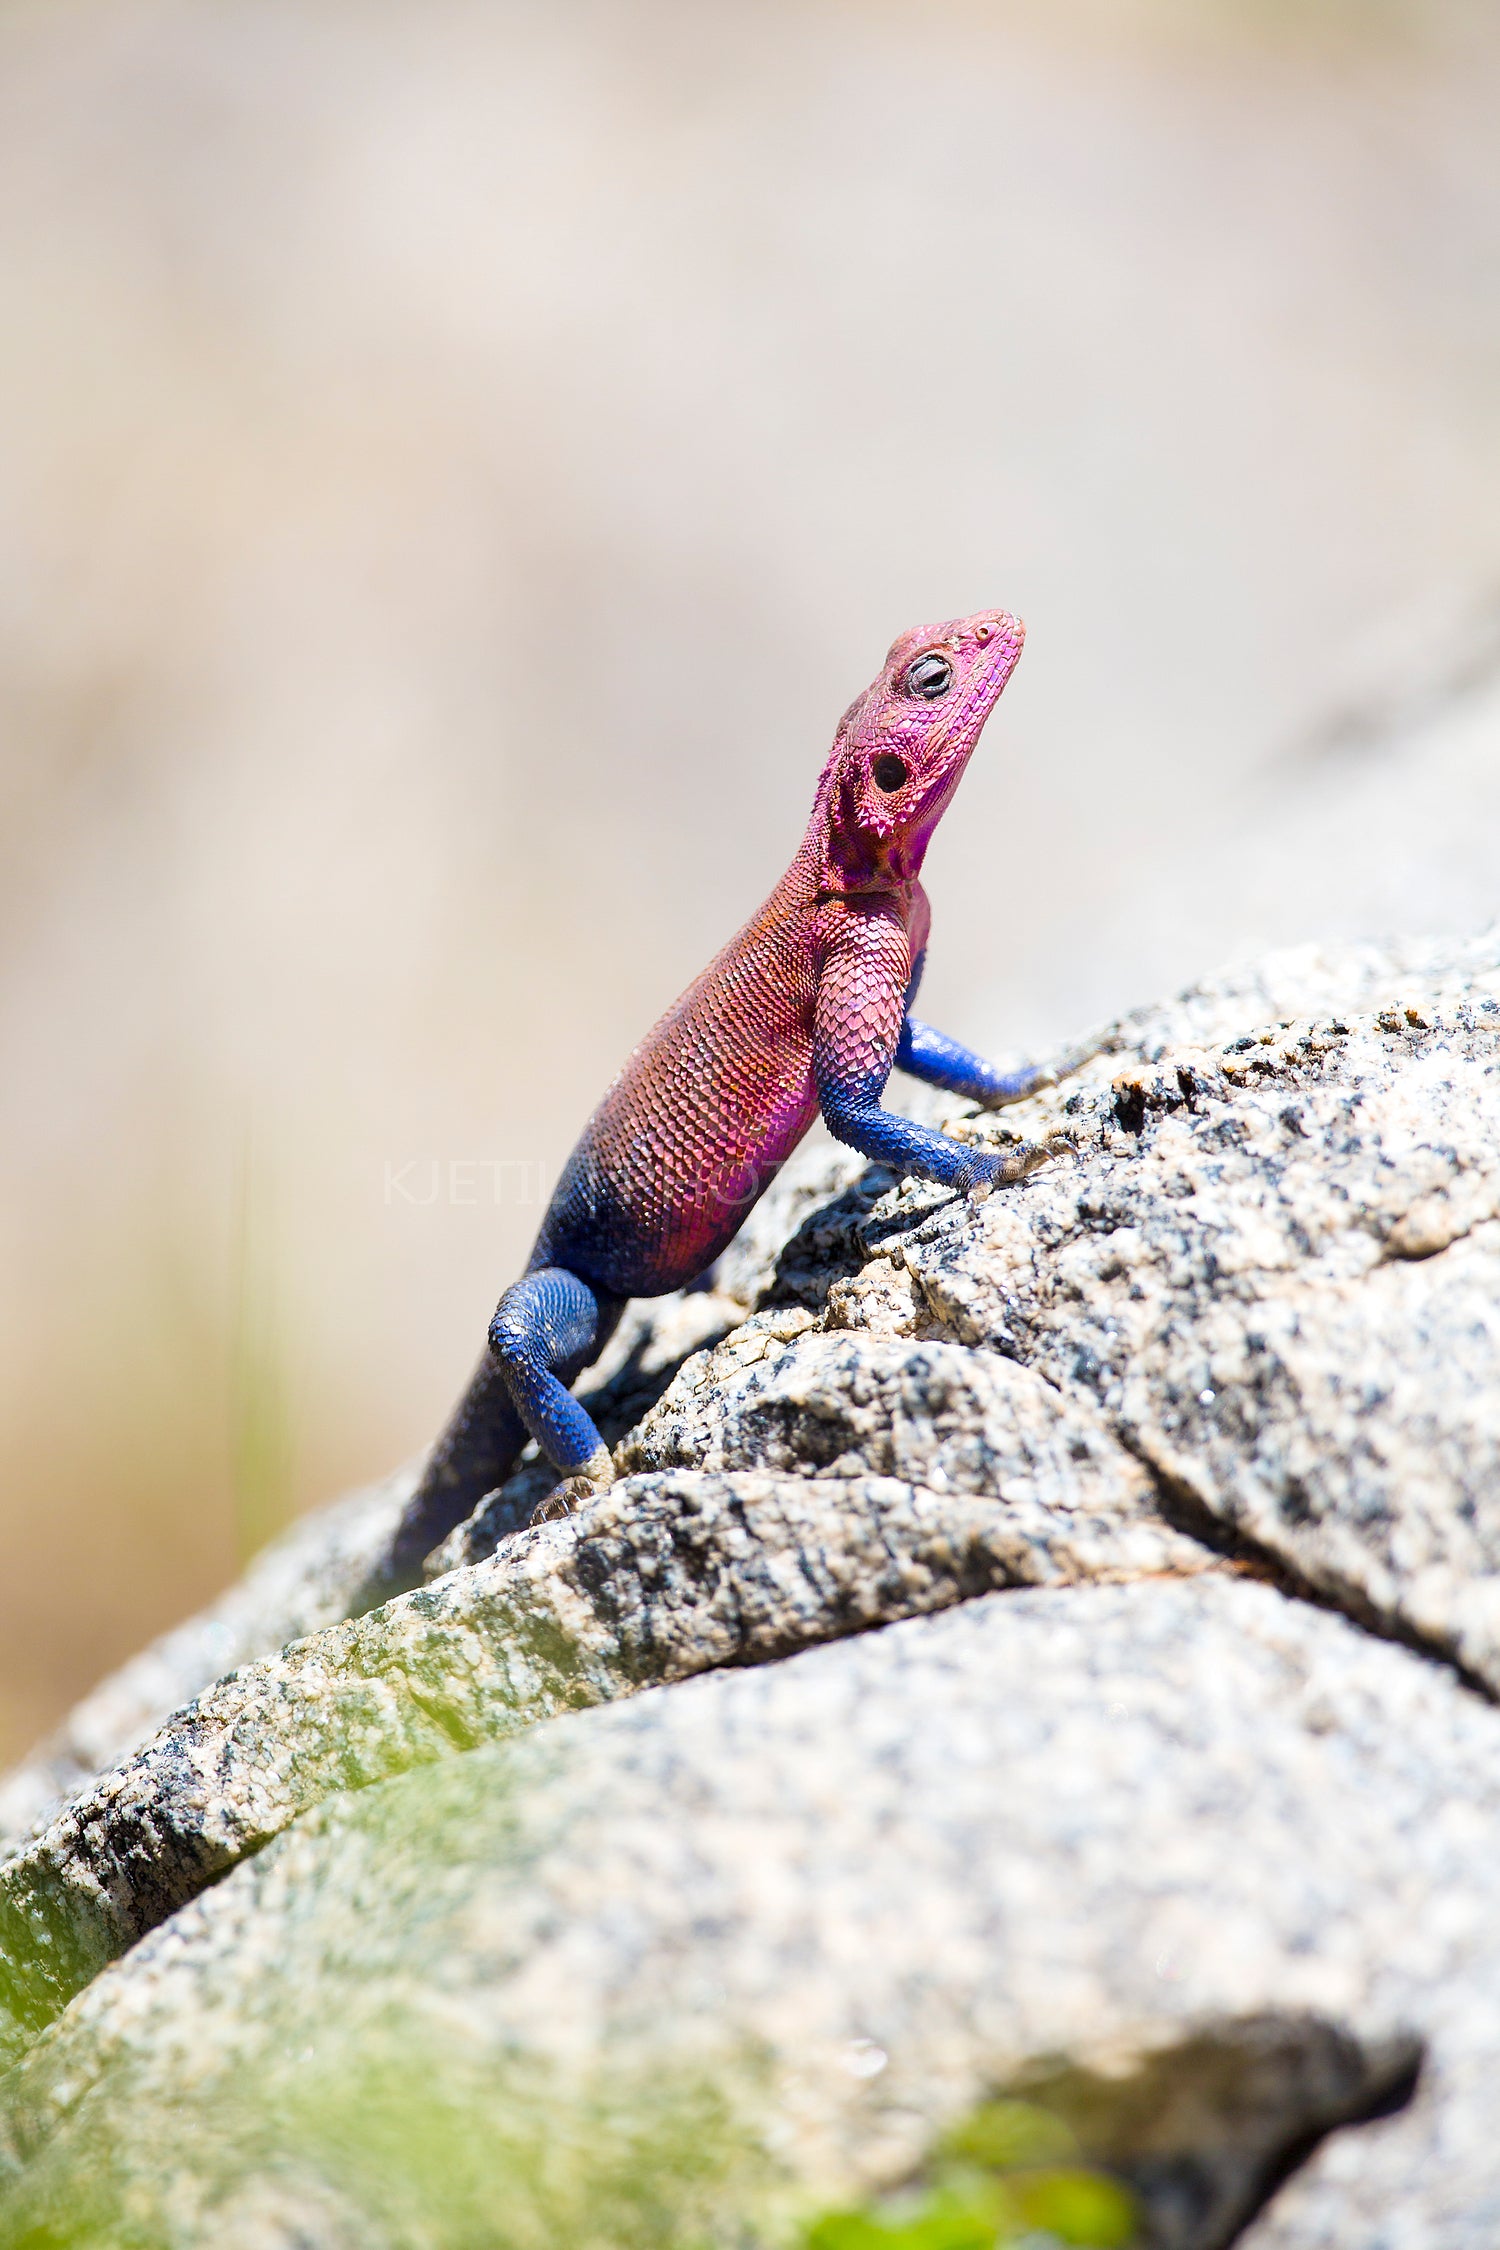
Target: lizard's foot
<point x="1003" y="1167"/>
<point x="1037" y="1078"/>
<point x="1073" y="1058"/>
<point x="596" y="1475"/>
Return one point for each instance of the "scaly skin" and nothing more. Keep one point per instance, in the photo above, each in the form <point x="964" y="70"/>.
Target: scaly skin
<point x="806" y="1009"/>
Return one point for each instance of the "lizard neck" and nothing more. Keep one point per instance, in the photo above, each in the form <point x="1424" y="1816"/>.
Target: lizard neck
<point x="841" y="860"/>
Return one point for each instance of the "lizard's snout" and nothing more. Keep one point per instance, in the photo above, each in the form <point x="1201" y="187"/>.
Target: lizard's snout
<point x="998" y="625"/>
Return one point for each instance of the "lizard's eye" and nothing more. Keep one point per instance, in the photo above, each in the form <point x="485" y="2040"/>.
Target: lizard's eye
<point x="890" y="773"/>
<point x="929" y="677"/>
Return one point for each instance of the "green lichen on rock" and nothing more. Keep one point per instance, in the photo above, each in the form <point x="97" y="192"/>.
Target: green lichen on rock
<point x="365" y="2102"/>
<point x="1008" y="2173"/>
<point x="381" y="2137"/>
<point x="667" y="1576"/>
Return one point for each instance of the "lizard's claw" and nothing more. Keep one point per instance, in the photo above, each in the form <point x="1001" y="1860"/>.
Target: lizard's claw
<point x="994" y="1168"/>
<point x="596" y="1475"/>
<point x="1073" y="1058"/>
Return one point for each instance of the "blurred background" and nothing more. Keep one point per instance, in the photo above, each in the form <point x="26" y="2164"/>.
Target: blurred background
<point x="456" y="464"/>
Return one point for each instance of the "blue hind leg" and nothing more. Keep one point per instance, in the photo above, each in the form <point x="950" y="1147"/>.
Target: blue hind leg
<point x="547" y="1327"/>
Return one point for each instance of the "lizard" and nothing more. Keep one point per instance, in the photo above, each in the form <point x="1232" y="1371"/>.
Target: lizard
<point x="806" y="1010"/>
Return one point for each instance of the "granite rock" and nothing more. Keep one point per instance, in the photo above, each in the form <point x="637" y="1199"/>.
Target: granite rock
<point x="1139" y="1828"/>
<point x="299" y="1585"/>
<point x="1275" y="1269"/>
<point x="662" y="1577"/>
<point x="309" y="1577"/>
<point x="1144" y="1819"/>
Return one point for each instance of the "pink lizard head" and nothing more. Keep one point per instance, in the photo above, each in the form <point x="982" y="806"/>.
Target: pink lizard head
<point x="901" y="749"/>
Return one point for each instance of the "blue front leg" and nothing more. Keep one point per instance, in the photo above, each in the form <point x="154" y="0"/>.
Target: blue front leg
<point x="861" y="1004"/>
<point x="852" y="1113"/>
<point x="940" y="1061"/>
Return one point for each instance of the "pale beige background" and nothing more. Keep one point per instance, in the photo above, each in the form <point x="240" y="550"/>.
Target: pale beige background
<point x="457" y="461"/>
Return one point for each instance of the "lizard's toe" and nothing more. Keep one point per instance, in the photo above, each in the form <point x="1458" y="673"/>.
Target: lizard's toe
<point x="596" y="1476"/>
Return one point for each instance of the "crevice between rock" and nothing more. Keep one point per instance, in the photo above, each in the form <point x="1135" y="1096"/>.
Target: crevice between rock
<point x="1205" y="2131"/>
<point x="1187" y="1512"/>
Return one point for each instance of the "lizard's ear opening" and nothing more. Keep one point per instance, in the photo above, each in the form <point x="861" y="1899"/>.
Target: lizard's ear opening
<point x="890" y="773"/>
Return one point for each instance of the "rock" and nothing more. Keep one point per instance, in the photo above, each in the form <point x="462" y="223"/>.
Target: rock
<point x="662" y="1577"/>
<point x="309" y="1577"/>
<point x="936" y="1414"/>
<point x="1224" y="1851"/>
<point x="298" y="1586"/>
<point x="1204" y="1860"/>
<point x="1276" y="1269"/>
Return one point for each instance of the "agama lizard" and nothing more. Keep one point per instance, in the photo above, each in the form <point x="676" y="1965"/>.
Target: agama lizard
<point x="807" y="1009"/>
